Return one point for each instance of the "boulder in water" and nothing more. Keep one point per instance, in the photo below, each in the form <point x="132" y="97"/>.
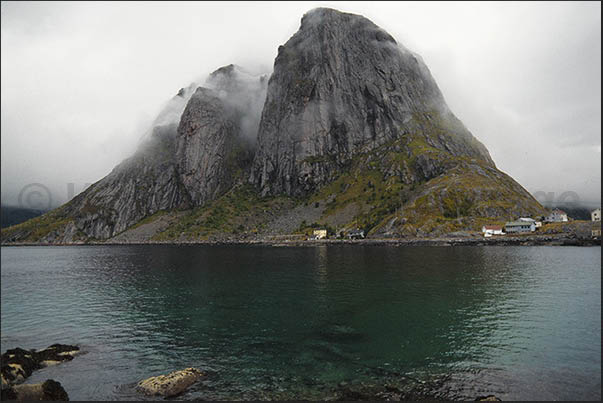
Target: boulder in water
<point x="171" y="384"/>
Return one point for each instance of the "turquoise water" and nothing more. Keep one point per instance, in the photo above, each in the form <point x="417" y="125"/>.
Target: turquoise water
<point x="270" y="322"/>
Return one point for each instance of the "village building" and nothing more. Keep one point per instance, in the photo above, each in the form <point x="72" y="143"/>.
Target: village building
<point x="518" y="227"/>
<point x="556" y="216"/>
<point x="490" y="230"/>
<point x="320" y="233"/>
<point x="356" y="234"/>
<point x="596" y="230"/>
<point x="596" y="215"/>
<point x="537" y="224"/>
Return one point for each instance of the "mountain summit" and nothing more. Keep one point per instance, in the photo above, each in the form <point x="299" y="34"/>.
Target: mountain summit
<point x="342" y="86"/>
<point x="350" y="130"/>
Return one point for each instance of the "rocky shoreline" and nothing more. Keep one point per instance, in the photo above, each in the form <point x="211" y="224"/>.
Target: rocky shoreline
<point x="18" y="365"/>
<point x="565" y="239"/>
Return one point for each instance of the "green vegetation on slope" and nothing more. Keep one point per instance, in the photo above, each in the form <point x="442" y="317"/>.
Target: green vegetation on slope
<point x="37" y="228"/>
<point x="411" y="186"/>
<point x="238" y="212"/>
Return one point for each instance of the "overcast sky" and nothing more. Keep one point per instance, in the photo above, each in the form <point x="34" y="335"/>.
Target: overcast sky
<point x="82" y="81"/>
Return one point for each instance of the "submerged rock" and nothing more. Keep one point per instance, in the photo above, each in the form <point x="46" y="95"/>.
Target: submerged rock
<point x="18" y="364"/>
<point x="49" y="390"/>
<point x="171" y="384"/>
<point x="341" y="334"/>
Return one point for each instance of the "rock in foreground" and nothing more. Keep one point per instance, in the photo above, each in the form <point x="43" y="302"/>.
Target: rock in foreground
<point x="49" y="390"/>
<point x="18" y="364"/>
<point x="171" y="384"/>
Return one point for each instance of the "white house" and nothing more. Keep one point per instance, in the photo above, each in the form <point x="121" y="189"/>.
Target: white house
<point x="320" y="233"/>
<point x="556" y="216"/>
<point x="519" y="227"/>
<point x="356" y="234"/>
<point x="537" y="224"/>
<point x="596" y="215"/>
<point x="490" y="230"/>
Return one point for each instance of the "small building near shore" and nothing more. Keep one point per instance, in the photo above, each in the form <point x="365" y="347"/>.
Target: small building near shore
<point x="356" y="234"/>
<point x="596" y="214"/>
<point x="537" y="224"/>
<point x="596" y="230"/>
<point x="489" y="230"/>
<point x="319" y="234"/>
<point x="518" y="227"/>
<point x="556" y="216"/>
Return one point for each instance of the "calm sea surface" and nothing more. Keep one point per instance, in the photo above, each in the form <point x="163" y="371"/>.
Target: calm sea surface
<point x="517" y="322"/>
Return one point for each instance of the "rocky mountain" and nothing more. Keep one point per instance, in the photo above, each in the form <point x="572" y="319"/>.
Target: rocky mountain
<point x="350" y="130"/>
<point x="215" y="142"/>
<point x="343" y="86"/>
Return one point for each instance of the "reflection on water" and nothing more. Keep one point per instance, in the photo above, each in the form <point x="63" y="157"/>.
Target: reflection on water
<point x="520" y="322"/>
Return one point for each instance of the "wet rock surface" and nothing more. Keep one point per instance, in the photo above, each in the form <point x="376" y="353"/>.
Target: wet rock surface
<point x="18" y="364"/>
<point x="171" y="384"/>
<point x="48" y="390"/>
<point x="489" y="398"/>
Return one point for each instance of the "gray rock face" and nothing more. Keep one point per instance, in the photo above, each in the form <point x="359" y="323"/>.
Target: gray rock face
<point x="341" y="86"/>
<point x="206" y="135"/>
<point x="216" y="135"/>
<point x="202" y="140"/>
<point x="140" y="186"/>
<point x="18" y="364"/>
<point x="48" y="390"/>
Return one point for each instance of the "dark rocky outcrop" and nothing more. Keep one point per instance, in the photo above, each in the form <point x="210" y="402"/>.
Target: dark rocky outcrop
<point x="48" y="390"/>
<point x="18" y="364"/>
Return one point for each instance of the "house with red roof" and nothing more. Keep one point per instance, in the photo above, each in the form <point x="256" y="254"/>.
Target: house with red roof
<point x="490" y="230"/>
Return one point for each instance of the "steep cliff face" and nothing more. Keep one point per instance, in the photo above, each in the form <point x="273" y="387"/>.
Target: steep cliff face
<point x="216" y="135"/>
<point x="206" y="135"/>
<point x="141" y="185"/>
<point x="342" y="86"/>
